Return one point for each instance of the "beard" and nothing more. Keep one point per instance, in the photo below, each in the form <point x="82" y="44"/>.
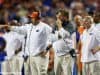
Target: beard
<point x="64" y="23"/>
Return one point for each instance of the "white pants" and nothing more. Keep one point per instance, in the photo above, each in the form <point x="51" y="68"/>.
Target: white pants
<point x="5" y="67"/>
<point x="92" y="68"/>
<point x="16" y="65"/>
<point x="12" y="66"/>
<point x="36" y="65"/>
<point x="63" y="65"/>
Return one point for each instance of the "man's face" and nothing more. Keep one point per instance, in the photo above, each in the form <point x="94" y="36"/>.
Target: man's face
<point x="96" y="19"/>
<point x="78" y="20"/>
<point x="87" y="24"/>
<point x="59" y="16"/>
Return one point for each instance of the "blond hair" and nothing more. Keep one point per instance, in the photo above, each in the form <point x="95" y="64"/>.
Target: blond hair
<point x="89" y="19"/>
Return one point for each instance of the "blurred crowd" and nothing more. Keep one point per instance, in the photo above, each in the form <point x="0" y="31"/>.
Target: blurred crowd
<point x="19" y="9"/>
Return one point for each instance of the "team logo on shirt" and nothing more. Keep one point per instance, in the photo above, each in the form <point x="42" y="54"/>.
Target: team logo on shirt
<point x="91" y="33"/>
<point x="37" y="30"/>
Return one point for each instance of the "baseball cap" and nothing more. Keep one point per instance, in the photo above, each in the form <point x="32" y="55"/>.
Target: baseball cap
<point x="34" y="14"/>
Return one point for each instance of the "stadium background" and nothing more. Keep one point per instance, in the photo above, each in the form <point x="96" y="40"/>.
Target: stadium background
<point x="20" y="9"/>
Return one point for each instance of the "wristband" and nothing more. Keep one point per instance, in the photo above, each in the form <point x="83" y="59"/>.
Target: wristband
<point x="48" y="48"/>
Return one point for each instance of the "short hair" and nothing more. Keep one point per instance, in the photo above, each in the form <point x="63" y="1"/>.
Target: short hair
<point x="63" y="12"/>
<point x="77" y="17"/>
<point x="37" y="11"/>
<point x="88" y="18"/>
<point x="96" y="17"/>
<point x="97" y="14"/>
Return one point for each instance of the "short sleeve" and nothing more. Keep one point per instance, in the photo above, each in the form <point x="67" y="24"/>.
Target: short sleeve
<point x="48" y="29"/>
<point x="48" y="33"/>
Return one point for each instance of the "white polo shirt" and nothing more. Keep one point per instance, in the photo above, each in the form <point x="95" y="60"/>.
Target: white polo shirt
<point x="87" y="55"/>
<point x="97" y="26"/>
<point x="62" y="46"/>
<point x="95" y="40"/>
<point x="14" y="42"/>
<point x="63" y="33"/>
<point x="73" y="36"/>
<point x="52" y="38"/>
<point x="37" y="36"/>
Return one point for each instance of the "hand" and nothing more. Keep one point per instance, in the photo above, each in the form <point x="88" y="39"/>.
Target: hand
<point x="59" y="23"/>
<point x="4" y="26"/>
<point x="94" y="51"/>
<point x="17" y="51"/>
<point x="14" y="23"/>
<point x="43" y="53"/>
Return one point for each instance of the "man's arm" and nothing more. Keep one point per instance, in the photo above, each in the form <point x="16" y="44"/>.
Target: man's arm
<point x="59" y="23"/>
<point x="19" y="29"/>
<point x="97" y="37"/>
<point x="12" y="23"/>
<point x="3" y="26"/>
<point x="51" y="59"/>
<point x="96" y="49"/>
<point x="48" y="48"/>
